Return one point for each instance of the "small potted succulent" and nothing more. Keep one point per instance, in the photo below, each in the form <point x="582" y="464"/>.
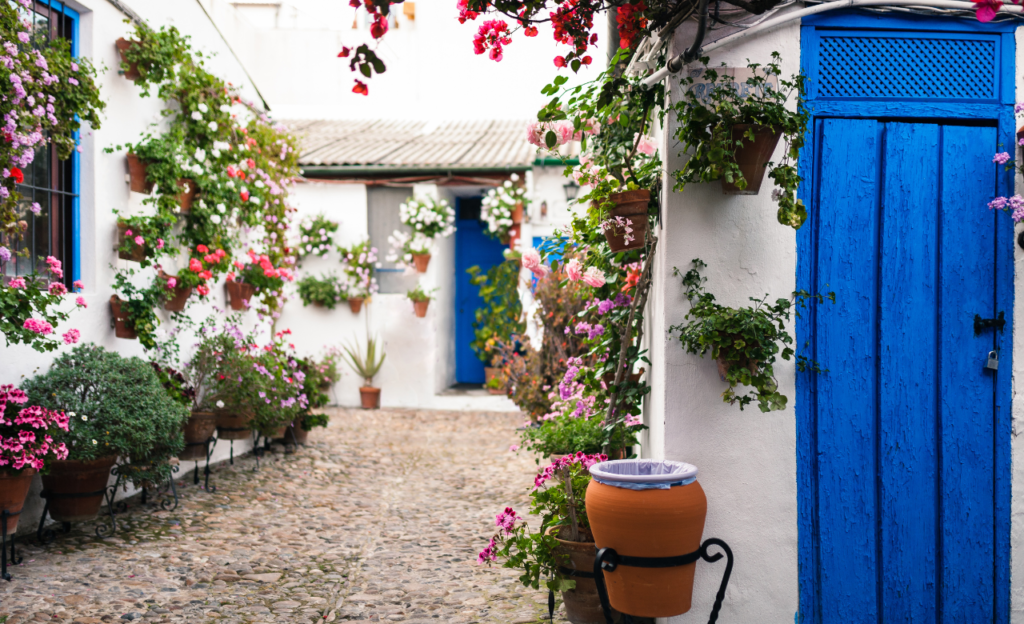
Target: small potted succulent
<point x="420" y="300"/>
<point x="27" y="445"/>
<point x="366" y="364"/>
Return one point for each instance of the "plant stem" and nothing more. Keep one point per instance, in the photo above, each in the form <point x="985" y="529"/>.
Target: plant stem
<point x="573" y="523"/>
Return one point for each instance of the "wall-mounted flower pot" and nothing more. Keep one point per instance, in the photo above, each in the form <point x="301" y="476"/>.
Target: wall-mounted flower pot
<point x="137" y="253"/>
<point x="198" y="429"/>
<point x="421" y="261"/>
<point x="420" y="307"/>
<point x="233" y="425"/>
<point x="137" y="175"/>
<point x="490" y="372"/>
<point x="355" y="304"/>
<point x="124" y="45"/>
<point x="370" y="397"/>
<point x="122" y="329"/>
<point x="517" y="213"/>
<point x="752" y="157"/>
<point x="630" y="207"/>
<point x="13" y="491"/>
<point x="186" y="194"/>
<point x="582" y="604"/>
<point x="647" y="523"/>
<point x="724" y="366"/>
<point x="239" y="294"/>
<point x="76" y="477"/>
<point x="177" y="297"/>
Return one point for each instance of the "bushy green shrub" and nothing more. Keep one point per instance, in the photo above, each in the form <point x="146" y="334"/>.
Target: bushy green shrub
<point x="117" y="406"/>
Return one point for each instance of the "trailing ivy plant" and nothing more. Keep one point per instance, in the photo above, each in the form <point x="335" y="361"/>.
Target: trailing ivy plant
<point x="745" y="341"/>
<point x="138" y="305"/>
<point x="501" y="315"/>
<point x="707" y="117"/>
<point x="324" y="291"/>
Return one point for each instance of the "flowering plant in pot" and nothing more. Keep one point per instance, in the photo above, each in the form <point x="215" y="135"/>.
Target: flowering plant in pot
<point x="312" y="385"/>
<point x="316" y="236"/>
<point x="31" y="306"/>
<point x="143" y="239"/>
<point x="256" y="276"/>
<point x="420" y="299"/>
<point x="358" y="264"/>
<point x="324" y="292"/>
<point x="213" y="358"/>
<point x="428" y="220"/>
<point x="117" y="407"/>
<point x="502" y="208"/>
<point x="730" y="135"/>
<point x="744" y="341"/>
<point x="410" y="249"/>
<point x="366" y="364"/>
<point x="134" y="307"/>
<point x="26" y="446"/>
<point x="561" y="544"/>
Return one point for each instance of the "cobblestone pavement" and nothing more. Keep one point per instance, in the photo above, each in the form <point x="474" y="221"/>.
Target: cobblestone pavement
<point x="379" y="518"/>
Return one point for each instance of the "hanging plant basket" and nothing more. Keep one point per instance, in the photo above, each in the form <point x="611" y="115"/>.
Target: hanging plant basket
<point x="178" y="298"/>
<point x="239" y="294"/>
<point x="420" y="307"/>
<point x="355" y="304"/>
<point x="370" y="397"/>
<point x="421" y="261"/>
<point x="630" y="207"/>
<point x="752" y="157"/>
<point x="122" y="328"/>
<point x="137" y="175"/>
<point x="123" y="45"/>
<point x="137" y="253"/>
<point x="77" y="479"/>
<point x="186" y="194"/>
<point x="198" y="429"/>
<point x="13" y="491"/>
<point x="725" y="365"/>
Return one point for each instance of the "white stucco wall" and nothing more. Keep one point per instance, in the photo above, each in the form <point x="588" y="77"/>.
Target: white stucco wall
<point x="1017" y="504"/>
<point x="747" y="460"/>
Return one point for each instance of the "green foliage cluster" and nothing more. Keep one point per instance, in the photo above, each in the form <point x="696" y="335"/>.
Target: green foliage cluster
<point x="33" y="301"/>
<point x="324" y="291"/>
<point x="138" y="304"/>
<point x="746" y="340"/>
<point x="418" y="294"/>
<point x="501" y="315"/>
<point x="117" y="406"/>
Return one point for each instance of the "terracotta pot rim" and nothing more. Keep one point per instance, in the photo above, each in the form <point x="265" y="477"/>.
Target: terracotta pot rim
<point x="590" y="546"/>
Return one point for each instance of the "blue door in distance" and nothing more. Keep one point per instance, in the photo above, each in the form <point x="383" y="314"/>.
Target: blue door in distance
<point x="902" y="441"/>
<point x="472" y="248"/>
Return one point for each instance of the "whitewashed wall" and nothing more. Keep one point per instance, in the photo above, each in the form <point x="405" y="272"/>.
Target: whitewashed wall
<point x="747" y="460"/>
<point x="1017" y="504"/>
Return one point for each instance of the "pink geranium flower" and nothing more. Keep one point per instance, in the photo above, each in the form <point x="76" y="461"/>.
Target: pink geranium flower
<point x="71" y="336"/>
<point x="80" y="302"/>
<point x="594" y="277"/>
<point x="38" y="326"/>
<point x="574" y="270"/>
<point x="531" y="262"/>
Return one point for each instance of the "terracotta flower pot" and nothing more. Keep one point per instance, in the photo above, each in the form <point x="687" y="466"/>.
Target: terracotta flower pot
<point x="137" y="252"/>
<point x="582" y="604"/>
<point x="13" y="491"/>
<point x="276" y="433"/>
<point x="179" y="297"/>
<point x="133" y="70"/>
<point x="648" y="523"/>
<point x="421" y="307"/>
<point x="513" y="235"/>
<point x="198" y="429"/>
<point x="122" y="329"/>
<point x="186" y="195"/>
<point x="609" y="378"/>
<point x="752" y="157"/>
<point x="295" y="434"/>
<point x="77" y="477"/>
<point x="137" y="175"/>
<point x="517" y="213"/>
<point x="490" y="373"/>
<point x="233" y="426"/>
<point x="421" y="261"/>
<point x="370" y="397"/>
<point x="631" y="208"/>
<point x="239" y="294"/>
<point x="355" y="305"/>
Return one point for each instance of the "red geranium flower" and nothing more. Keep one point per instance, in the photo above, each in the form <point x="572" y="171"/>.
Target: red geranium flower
<point x="18" y="176"/>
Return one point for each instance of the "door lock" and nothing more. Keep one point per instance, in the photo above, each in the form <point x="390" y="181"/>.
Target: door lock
<point x="981" y="324"/>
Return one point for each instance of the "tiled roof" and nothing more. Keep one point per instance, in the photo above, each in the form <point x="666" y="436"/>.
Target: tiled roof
<point x="394" y="145"/>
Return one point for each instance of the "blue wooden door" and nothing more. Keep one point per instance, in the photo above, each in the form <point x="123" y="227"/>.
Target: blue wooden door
<point x="899" y="514"/>
<point x="472" y="248"/>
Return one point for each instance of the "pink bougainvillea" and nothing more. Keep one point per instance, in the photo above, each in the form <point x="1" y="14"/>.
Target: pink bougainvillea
<point x="492" y="35"/>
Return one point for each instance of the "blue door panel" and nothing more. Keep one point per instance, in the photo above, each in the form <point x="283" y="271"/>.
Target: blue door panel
<point x="472" y="248"/>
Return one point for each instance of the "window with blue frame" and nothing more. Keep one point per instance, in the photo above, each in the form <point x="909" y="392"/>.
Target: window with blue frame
<point x="50" y="189"/>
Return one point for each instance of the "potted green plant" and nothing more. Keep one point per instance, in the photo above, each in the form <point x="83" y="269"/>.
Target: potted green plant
<point x="26" y="447"/>
<point x="730" y="135"/>
<point x="420" y="300"/>
<point x="428" y="220"/>
<point x="366" y="364"/>
<point x="563" y="543"/>
<point x="359" y="261"/>
<point x="744" y="342"/>
<point x="141" y="239"/>
<point x="501" y="315"/>
<point x="322" y="292"/>
<point x="117" y="407"/>
<point x="264" y="382"/>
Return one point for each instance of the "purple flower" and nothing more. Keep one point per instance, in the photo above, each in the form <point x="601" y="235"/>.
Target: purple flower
<point x="35" y="208"/>
<point x="23" y="37"/>
<point x="1001" y="158"/>
<point x="5" y="254"/>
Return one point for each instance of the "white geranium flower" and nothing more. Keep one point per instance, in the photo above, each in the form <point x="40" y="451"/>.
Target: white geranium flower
<point x="224" y="108"/>
<point x="212" y="126"/>
<point x="215" y="153"/>
<point x="215" y="219"/>
<point x="203" y="108"/>
<point x="259" y="184"/>
<point x="221" y="208"/>
<point x="196" y="115"/>
<point x="221" y="146"/>
<point x="507" y="184"/>
<point x="254" y="199"/>
<point x="200" y="154"/>
<point x="220" y="404"/>
<point x="515" y="177"/>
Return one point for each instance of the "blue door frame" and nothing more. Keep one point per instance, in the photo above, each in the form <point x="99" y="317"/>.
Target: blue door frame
<point x="994" y="110"/>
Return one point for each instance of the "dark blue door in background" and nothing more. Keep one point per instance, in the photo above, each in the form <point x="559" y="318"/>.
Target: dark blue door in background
<point x="900" y="432"/>
<point x="472" y="248"/>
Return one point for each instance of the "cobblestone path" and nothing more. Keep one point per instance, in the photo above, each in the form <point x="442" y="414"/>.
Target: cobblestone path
<point x="379" y="518"/>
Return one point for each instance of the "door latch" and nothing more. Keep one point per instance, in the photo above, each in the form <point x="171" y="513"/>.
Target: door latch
<point x="981" y="324"/>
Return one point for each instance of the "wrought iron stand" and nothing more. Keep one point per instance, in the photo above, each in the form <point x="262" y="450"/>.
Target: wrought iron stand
<point x="161" y="492"/>
<point x="231" y="455"/>
<point x="15" y="559"/>
<point x="210" y="444"/>
<point x="45" y="536"/>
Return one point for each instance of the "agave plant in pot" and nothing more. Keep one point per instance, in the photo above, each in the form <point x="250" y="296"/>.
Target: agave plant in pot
<point x="27" y="445"/>
<point x="366" y="364"/>
<point x="116" y="407"/>
<point x="562" y="545"/>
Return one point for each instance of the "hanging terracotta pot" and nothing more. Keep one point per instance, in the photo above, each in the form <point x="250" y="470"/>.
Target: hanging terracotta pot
<point x="647" y="523"/>
<point x="517" y="213"/>
<point x="421" y="261"/>
<point x="76" y="477"/>
<point x="13" y="491"/>
<point x="233" y="426"/>
<point x="490" y="372"/>
<point x="582" y="604"/>
<point x="122" y="328"/>
<point x="137" y="175"/>
<point x="420" y="307"/>
<point x="133" y="69"/>
<point x="137" y="253"/>
<point x="629" y="216"/>
<point x="752" y="157"/>
<point x="198" y="429"/>
<point x="513" y="235"/>
<point x="186" y="194"/>
<point x="355" y="304"/>
<point x="239" y="294"/>
<point x="178" y="296"/>
<point x="370" y="397"/>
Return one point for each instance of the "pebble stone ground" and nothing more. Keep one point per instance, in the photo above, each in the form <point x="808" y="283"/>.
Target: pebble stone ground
<point x="379" y="518"/>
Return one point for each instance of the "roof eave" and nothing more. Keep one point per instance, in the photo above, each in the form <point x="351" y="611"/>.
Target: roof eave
<point x="315" y="171"/>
